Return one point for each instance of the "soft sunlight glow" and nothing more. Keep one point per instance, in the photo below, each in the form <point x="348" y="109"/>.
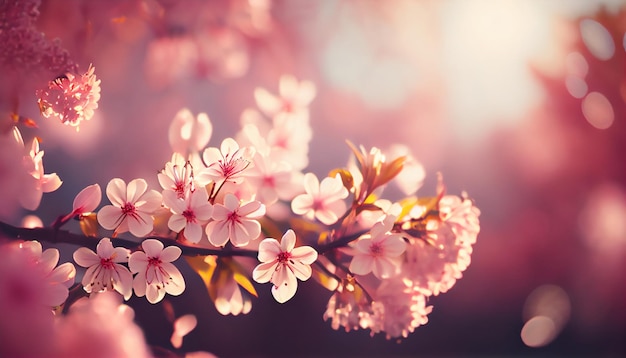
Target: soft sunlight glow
<point x="597" y="39"/>
<point x="598" y="110"/>
<point x="546" y="311"/>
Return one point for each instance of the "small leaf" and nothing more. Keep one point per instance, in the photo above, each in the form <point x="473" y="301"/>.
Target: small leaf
<point x="245" y="283"/>
<point x="205" y="267"/>
<point x="390" y="170"/>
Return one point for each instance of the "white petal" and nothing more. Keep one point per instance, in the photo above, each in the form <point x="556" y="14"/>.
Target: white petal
<point x="217" y="232"/>
<point x="110" y="217"/>
<point x="170" y="253"/>
<point x="262" y="273"/>
<point x="288" y="241"/>
<point x="305" y="254"/>
<point x="394" y="246"/>
<point x="154" y="294"/>
<point x="64" y="274"/>
<point x="88" y="199"/>
<point x="287" y="288"/>
<point x="302" y="271"/>
<point x="116" y="192"/>
<point x="193" y="232"/>
<point x="135" y="190"/>
<point x="105" y="248"/>
<point x="85" y="257"/>
<point x="140" y="284"/>
<point x="138" y="262"/>
<point x="140" y="226"/>
<point x="177" y="223"/>
<point x="311" y="184"/>
<point x="125" y="283"/>
<point x="361" y="264"/>
<point x="302" y="204"/>
<point x="268" y="250"/>
<point x="176" y="283"/>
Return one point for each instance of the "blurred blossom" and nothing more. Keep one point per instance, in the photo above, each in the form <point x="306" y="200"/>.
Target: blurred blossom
<point x="546" y="312"/>
<point x="36" y="182"/>
<point x="182" y="326"/>
<point x="597" y="39"/>
<point x="602" y="220"/>
<point x="188" y="135"/>
<point x="100" y="326"/>
<point x="32" y="221"/>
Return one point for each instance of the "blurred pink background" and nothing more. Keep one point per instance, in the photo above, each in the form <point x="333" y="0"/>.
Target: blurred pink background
<point x="520" y="103"/>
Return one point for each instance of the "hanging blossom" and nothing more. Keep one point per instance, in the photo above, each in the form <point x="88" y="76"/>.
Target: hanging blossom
<point x="156" y="275"/>
<point x="132" y="207"/>
<point x="104" y="271"/>
<point x="225" y="164"/>
<point x="282" y="263"/>
<point x="58" y="279"/>
<point x="189" y="213"/>
<point x="36" y="181"/>
<point x="321" y="201"/>
<point x="71" y="98"/>
<point x="378" y="251"/>
<point x="177" y="176"/>
<point x="235" y="222"/>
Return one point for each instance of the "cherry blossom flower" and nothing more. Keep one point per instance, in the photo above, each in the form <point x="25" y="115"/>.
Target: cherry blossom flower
<point x="187" y="134"/>
<point x="177" y="176"/>
<point x="156" y="275"/>
<point x="294" y="97"/>
<point x="322" y="201"/>
<point x="282" y="263"/>
<point x="100" y="326"/>
<point x="71" y="98"/>
<point x="398" y="309"/>
<point x="37" y="182"/>
<point x="376" y="251"/>
<point x="348" y="307"/>
<point x="235" y="222"/>
<point x="132" y="207"/>
<point x="272" y="179"/>
<point x="225" y="164"/>
<point x="104" y="271"/>
<point x="189" y="213"/>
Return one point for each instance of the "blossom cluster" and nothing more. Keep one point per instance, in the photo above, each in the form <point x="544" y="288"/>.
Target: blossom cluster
<point x="221" y="206"/>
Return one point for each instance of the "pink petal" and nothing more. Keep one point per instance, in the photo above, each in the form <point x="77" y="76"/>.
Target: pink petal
<point x="361" y="264"/>
<point x="55" y="295"/>
<point x="302" y="204"/>
<point x="88" y="199"/>
<point x="203" y="212"/>
<point x="394" y="246"/>
<point x="302" y="271"/>
<point x="125" y="283"/>
<point x="305" y="254"/>
<point x="140" y="226"/>
<point x="150" y="202"/>
<point x="85" y="257"/>
<point x="50" y="182"/>
<point x="244" y="232"/>
<point x="182" y="326"/>
<point x="253" y="209"/>
<point x="311" y="184"/>
<point x="286" y="288"/>
<point x="211" y="155"/>
<point x="229" y="145"/>
<point x="48" y="260"/>
<point x="64" y="274"/>
<point x="135" y="190"/>
<point x="383" y="267"/>
<point x="176" y="283"/>
<point x="138" y="261"/>
<point x="193" y="232"/>
<point x="268" y="250"/>
<point x="363" y="245"/>
<point x="217" y="232"/>
<point x="220" y="212"/>
<point x="170" y="253"/>
<point x="120" y="254"/>
<point x="152" y="247"/>
<point x="139" y="283"/>
<point x="262" y="273"/>
<point x="171" y="200"/>
<point x="116" y="192"/>
<point x="154" y="294"/>
<point x="105" y="248"/>
<point x="267" y="101"/>
<point x="110" y="217"/>
<point x="288" y="241"/>
<point x="231" y="202"/>
<point x="287" y="85"/>
<point x="177" y="223"/>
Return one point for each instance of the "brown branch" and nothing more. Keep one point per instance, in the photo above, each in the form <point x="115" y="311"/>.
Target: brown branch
<point x="56" y="236"/>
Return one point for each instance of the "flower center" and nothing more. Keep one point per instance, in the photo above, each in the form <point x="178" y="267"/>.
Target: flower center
<point x="376" y="249"/>
<point x="106" y="263"/>
<point x="190" y="216"/>
<point x="233" y="217"/>
<point x="154" y="261"/>
<point x="283" y="257"/>
<point x="128" y="209"/>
